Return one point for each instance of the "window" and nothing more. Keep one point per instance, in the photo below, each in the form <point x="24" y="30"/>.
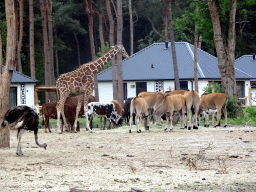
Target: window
<point x="125" y="90"/>
<point x="159" y="85"/>
<point x="13" y="96"/>
<point x="183" y="85"/>
<point x="140" y="87"/>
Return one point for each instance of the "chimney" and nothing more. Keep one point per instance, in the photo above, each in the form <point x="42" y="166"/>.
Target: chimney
<point x="166" y="44"/>
<point x="253" y="56"/>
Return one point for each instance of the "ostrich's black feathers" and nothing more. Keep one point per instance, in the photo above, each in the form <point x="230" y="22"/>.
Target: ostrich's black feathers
<point x="23" y="113"/>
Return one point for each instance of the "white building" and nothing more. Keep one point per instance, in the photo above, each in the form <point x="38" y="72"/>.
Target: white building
<point x="22" y="90"/>
<point x="151" y="69"/>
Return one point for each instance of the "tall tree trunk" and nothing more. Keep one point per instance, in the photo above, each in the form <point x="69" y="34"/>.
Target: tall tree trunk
<point x="174" y="58"/>
<point x="89" y="10"/>
<point x="6" y="76"/>
<point x="21" y="6"/>
<point x="225" y="46"/>
<point x="46" y="46"/>
<point x="31" y="39"/>
<point x="119" y="57"/>
<point x="1" y="54"/>
<point x="102" y="42"/>
<point x="57" y="59"/>
<point x="78" y="50"/>
<point x="166" y="15"/>
<point x="195" y="63"/>
<point x="131" y="25"/>
<point x="52" y="96"/>
<point x="111" y="42"/>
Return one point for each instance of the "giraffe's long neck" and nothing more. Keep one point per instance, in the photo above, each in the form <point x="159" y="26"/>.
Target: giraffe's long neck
<point x="103" y="60"/>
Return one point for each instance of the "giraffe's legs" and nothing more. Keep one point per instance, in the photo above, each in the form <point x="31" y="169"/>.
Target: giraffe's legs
<point x="86" y="98"/>
<point x="78" y="108"/>
<point x="60" y="112"/>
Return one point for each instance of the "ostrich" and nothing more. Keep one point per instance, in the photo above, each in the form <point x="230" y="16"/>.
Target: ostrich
<point x="22" y="118"/>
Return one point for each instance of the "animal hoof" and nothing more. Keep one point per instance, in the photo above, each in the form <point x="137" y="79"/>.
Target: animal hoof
<point x="171" y="129"/>
<point x="195" y="127"/>
<point x="186" y="126"/>
<point x="165" y="129"/>
<point x="20" y="154"/>
<point x="225" y="125"/>
<point x="189" y="128"/>
<point x="205" y="125"/>
<point x="130" y="131"/>
<point x="60" y="132"/>
<point x="147" y="128"/>
<point x="214" y="126"/>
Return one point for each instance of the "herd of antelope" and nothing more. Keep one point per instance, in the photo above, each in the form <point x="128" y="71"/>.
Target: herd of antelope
<point x="175" y="104"/>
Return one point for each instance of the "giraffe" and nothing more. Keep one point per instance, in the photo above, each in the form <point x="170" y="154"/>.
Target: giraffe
<point x="81" y="81"/>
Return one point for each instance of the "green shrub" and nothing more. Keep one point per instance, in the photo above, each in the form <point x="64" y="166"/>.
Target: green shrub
<point x="234" y="107"/>
<point x="251" y="111"/>
<point x="217" y="88"/>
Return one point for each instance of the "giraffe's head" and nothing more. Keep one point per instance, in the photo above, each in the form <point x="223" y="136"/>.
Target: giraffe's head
<point x="122" y="51"/>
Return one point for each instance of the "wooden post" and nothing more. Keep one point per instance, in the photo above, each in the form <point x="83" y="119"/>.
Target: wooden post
<point x="250" y="96"/>
<point x="36" y="99"/>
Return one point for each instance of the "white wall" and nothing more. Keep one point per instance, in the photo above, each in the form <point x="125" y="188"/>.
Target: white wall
<point x="253" y="96"/>
<point x="25" y="94"/>
<point x="131" y="89"/>
<point x="106" y="89"/>
<point x="105" y="92"/>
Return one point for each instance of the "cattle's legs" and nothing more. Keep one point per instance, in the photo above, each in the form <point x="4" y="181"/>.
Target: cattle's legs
<point x="218" y="117"/>
<point x="19" y="135"/>
<point x="46" y="124"/>
<point x="225" y="114"/>
<point x="169" y="121"/>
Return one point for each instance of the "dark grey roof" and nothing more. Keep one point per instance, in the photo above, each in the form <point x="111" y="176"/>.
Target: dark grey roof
<point x="247" y="64"/>
<point x="138" y="67"/>
<point x="18" y="77"/>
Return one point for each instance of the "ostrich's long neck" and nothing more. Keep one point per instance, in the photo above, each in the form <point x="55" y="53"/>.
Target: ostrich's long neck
<point x="103" y="60"/>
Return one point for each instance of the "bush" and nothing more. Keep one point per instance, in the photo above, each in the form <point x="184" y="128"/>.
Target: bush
<point x="234" y="108"/>
<point x="251" y="111"/>
<point x="217" y="88"/>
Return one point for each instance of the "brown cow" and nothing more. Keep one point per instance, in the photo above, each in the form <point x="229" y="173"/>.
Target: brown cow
<point x="192" y="103"/>
<point x="49" y="111"/>
<point x="175" y="92"/>
<point x="153" y="99"/>
<point x="140" y="107"/>
<point x="171" y="104"/>
<point x="214" y="101"/>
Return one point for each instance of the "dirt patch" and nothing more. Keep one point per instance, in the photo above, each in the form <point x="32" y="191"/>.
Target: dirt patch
<point x="114" y="160"/>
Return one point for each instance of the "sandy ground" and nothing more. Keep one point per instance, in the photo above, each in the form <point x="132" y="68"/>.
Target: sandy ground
<point x="209" y="159"/>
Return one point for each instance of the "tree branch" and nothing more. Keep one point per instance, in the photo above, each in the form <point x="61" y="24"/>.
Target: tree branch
<point x="158" y="33"/>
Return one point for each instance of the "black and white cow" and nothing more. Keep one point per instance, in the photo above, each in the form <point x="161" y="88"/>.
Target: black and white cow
<point x="113" y="112"/>
<point x="22" y="118"/>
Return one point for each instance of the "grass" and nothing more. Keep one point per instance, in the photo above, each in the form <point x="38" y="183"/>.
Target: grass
<point x="247" y="118"/>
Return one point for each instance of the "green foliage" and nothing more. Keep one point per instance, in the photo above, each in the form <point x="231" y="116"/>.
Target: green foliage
<point x="246" y="117"/>
<point x="149" y="40"/>
<point x="233" y="108"/>
<point x="217" y="88"/>
<point x="251" y="111"/>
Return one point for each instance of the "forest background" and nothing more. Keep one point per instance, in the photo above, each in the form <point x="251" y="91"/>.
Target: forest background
<point x="73" y="21"/>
